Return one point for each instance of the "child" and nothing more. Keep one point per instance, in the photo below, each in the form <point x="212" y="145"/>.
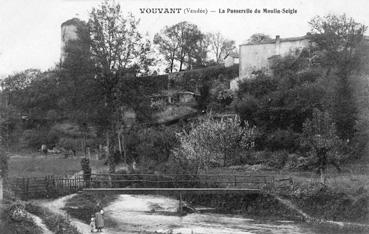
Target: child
<point x="93" y="223"/>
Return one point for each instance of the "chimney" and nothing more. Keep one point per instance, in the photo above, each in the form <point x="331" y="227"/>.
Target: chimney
<point x="277" y="44"/>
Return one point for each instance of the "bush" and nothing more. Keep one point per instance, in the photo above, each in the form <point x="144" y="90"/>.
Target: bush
<point x="276" y="159"/>
<point x="214" y="142"/>
<point x="282" y="140"/>
<point x="258" y="86"/>
<point x="70" y="143"/>
<point x="225" y="97"/>
<point x="246" y="109"/>
<point x="32" y="138"/>
<point x="85" y="164"/>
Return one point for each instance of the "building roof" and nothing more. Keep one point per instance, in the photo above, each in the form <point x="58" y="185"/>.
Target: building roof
<point x="172" y="92"/>
<point x="232" y="54"/>
<point x="281" y="40"/>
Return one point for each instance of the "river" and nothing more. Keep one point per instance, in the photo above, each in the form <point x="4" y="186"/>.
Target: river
<point x="137" y="213"/>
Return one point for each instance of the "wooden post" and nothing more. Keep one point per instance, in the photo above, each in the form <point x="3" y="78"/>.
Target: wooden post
<point x="180" y="208"/>
<point x="88" y="153"/>
<point x="1" y="190"/>
<point x="27" y="188"/>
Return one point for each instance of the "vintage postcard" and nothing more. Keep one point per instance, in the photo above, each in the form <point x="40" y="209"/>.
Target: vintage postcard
<point x="184" y="116"/>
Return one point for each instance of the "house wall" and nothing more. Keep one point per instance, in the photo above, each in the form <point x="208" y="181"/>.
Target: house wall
<point x="255" y="56"/>
<point x="229" y="61"/>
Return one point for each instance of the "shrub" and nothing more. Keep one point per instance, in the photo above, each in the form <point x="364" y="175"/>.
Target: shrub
<point x="225" y="97"/>
<point x="258" y="86"/>
<point x="70" y="143"/>
<point x="214" y="142"/>
<point x="282" y="140"/>
<point x="10" y="226"/>
<point x="32" y="138"/>
<point x="246" y="109"/>
<point x="85" y="164"/>
<point x="278" y="159"/>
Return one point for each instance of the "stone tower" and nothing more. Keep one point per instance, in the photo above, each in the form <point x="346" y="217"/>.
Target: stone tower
<point x="74" y="32"/>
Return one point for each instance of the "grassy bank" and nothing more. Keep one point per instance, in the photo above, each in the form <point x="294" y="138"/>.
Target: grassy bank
<point x="343" y="197"/>
<point x="83" y="205"/>
<point x="35" y="164"/>
<point x="56" y="223"/>
<point x="10" y="226"/>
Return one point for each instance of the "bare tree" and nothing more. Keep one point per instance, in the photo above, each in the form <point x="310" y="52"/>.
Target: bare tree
<point x="219" y="45"/>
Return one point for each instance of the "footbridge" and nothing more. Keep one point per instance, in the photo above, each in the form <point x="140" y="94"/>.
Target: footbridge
<point x="179" y="184"/>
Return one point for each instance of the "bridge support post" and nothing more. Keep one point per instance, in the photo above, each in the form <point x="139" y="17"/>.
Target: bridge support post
<point x="180" y="204"/>
<point x="1" y="190"/>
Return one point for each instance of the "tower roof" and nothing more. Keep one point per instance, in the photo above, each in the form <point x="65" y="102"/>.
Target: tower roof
<point x="73" y="21"/>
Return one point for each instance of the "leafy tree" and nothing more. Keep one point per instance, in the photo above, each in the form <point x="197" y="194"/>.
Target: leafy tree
<point x="19" y="81"/>
<point x="337" y="37"/>
<point x="213" y="141"/>
<point x="259" y="38"/>
<point x="181" y="43"/>
<point x="117" y="50"/>
<point x="319" y="135"/>
<point x="219" y="46"/>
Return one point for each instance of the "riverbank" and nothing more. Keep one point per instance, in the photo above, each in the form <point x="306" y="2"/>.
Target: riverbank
<point x="124" y="210"/>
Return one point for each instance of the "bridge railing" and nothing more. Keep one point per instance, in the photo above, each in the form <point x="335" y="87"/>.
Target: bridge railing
<point x="54" y="186"/>
<point x="179" y="180"/>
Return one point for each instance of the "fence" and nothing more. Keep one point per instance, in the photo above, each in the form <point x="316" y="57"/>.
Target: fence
<point x="45" y="187"/>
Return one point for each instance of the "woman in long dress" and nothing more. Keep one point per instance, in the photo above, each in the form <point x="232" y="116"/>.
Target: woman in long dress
<point x="99" y="217"/>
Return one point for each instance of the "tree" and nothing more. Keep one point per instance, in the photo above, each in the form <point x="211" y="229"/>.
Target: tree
<point x="181" y="43"/>
<point x="259" y="38"/>
<point x="337" y="37"/>
<point x="214" y="141"/>
<point x="219" y="46"/>
<point x="117" y="51"/>
<point x="319" y="135"/>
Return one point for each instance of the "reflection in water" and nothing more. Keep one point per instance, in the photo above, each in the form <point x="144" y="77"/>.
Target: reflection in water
<point x="135" y="213"/>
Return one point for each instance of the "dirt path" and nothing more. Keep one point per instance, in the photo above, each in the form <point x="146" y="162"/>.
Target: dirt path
<point x="56" y="207"/>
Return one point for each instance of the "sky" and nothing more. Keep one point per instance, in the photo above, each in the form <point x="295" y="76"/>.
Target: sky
<point x="30" y="29"/>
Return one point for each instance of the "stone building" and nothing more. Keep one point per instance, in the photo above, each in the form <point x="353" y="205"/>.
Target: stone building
<point x="259" y="56"/>
<point x="74" y="31"/>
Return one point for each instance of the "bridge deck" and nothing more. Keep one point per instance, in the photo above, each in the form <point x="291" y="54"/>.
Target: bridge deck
<point x="176" y="190"/>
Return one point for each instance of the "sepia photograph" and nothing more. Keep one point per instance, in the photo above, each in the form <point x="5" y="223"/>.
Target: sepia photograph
<point x="184" y="116"/>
